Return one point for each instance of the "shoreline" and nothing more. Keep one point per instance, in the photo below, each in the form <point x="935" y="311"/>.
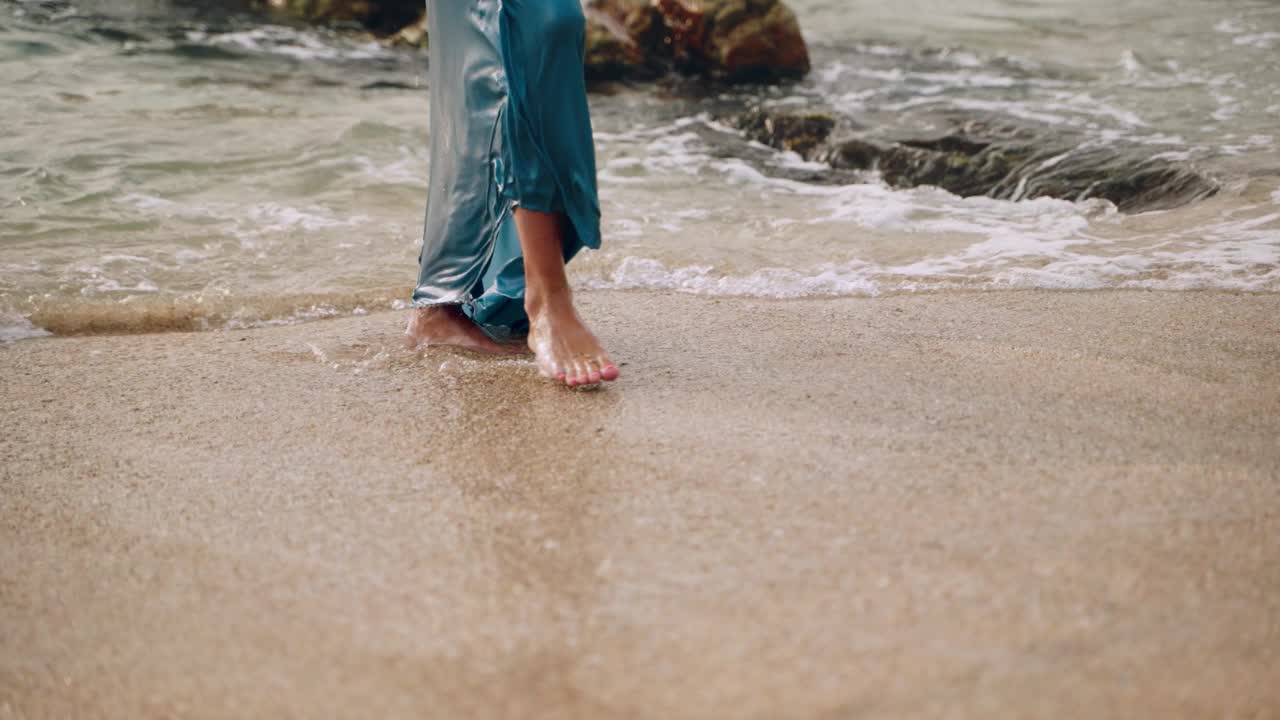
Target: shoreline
<point x="1034" y="503"/>
<point x="170" y="324"/>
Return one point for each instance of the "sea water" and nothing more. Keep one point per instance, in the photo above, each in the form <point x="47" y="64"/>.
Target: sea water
<point x="164" y="165"/>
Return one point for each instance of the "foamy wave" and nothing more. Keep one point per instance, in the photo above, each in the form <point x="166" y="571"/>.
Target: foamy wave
<point x="1224" y="268"/>
<point x="248" y="223"/>
<point x="1041" y="244"/>
<point x="1246" y="35"/>
<point x="14" y="328"/>
<point x="300" y="45"/>
<point x="827" y="280"/>
<point x="185" y="313"/>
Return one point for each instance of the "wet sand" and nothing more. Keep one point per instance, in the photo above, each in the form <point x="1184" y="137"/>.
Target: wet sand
<point x="1023" y="504"/>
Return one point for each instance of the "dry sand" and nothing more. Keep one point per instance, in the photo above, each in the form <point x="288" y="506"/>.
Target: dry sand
<point x="1058" y="505"/>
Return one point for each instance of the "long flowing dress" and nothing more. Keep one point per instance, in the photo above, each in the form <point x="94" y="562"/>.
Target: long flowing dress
<point x="509" y="127"/>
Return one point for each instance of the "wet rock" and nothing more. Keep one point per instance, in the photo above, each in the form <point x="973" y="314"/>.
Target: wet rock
<point x="617" y="46"/>
<point x="384" y="17"/>
<point x="992" y="158"/>
<point x="800" y="133"/>
<point x="412" y="35"/>
<point x="732" y="40"/>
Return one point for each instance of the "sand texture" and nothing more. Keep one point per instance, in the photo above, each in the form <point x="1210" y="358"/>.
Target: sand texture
<point x="1018" y="504"/>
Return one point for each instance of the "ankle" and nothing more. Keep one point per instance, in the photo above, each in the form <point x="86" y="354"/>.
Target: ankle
<point x="537" y="303"/>
<point x="432" y="315"/>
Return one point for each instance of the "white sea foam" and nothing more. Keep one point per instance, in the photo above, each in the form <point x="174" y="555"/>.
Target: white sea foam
<point x="1130" y="63"/>
<point x="827" y="280"/>
<point x="297" y="44"/>
<point x="965" y="79"/>
<point x="266" y="218"/>
<point x="1229" y="26"/>
<point x="1241" y="266"/>
<point x="248" y="222"/>
<point x="94" y="282"/>
<point x="1262" y="41"/>
<point x="409" y="169"/>
<point x="142" y="201"/>
<point x="1039" y="243"/>
<point x="13" y="328"/>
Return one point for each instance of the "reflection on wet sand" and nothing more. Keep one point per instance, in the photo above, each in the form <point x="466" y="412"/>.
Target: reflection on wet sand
<point x="907" y="507"/>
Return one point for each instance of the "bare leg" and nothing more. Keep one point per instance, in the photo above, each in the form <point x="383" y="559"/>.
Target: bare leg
<point x="565" y="349"/>
<point x="446" y="325"/>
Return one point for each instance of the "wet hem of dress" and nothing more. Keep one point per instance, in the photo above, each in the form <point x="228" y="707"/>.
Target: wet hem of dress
<point x="424" y="303"/>
<point x="502" y="333"/>
<point x="498" y="333"/>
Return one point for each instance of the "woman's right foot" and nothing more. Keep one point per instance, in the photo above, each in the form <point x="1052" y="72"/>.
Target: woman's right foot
<point x="446" y="325"/>
<point x="563" y="346"/>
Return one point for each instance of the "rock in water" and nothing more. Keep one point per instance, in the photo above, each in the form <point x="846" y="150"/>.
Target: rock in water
<point x="733" y="40"/>
<point x="385" y="17"/>
<point x="988" y="157"/>
<point x="799" y="133"/>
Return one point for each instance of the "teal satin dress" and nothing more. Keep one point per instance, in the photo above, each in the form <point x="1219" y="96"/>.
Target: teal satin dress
<point x="509" y="126"/>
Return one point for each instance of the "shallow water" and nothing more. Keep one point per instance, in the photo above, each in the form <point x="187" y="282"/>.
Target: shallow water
<point x="168" y="167"/>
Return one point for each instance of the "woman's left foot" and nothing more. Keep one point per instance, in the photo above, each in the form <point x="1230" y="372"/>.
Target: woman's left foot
<point x="563" y="346"/>
<point x="446" y="325"/>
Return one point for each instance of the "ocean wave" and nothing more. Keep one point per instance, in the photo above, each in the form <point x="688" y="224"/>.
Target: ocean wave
<point x="1232" y="268"/>
<point x="292" y="43"/>
<point x="186" y="313"/>
<point x="16" y="327"/>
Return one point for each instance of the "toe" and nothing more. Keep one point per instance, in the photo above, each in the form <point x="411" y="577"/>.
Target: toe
<point x="583" y="375"/>
<point x="608" y="370"/>
<point x="571" y="373"/>
<point x="593" y="372"/>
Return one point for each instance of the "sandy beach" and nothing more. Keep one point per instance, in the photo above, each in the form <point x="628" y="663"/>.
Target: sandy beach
<point x="1010" y="504"/>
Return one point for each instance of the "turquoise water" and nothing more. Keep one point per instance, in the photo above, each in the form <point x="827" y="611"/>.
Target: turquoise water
<point x="165" y="166"/>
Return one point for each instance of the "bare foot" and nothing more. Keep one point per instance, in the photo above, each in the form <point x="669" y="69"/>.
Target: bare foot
<point x="446" y="325"/>
<point x="564" y="348"/>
